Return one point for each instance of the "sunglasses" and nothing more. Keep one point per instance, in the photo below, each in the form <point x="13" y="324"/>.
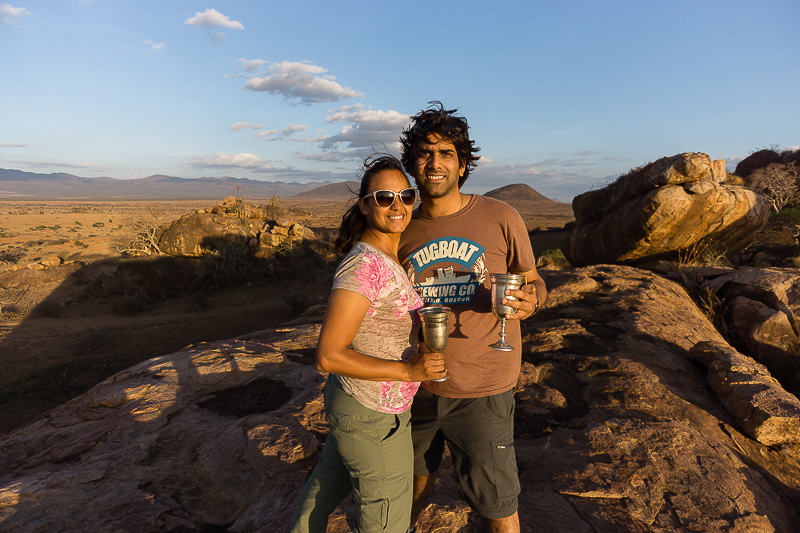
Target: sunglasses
<point x="385" y="198"/>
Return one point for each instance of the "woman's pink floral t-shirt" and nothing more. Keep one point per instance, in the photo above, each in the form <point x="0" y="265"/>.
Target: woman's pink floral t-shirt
<point x="390" y="329"/>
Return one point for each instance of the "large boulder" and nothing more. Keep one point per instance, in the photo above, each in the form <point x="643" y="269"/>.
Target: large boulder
<point x="676" y="204"/>
<point x="196" y="233"/>
<point x="617" y="430"/>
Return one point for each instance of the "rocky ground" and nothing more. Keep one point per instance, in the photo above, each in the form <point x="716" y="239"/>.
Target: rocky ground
<point x="629" y="419"/>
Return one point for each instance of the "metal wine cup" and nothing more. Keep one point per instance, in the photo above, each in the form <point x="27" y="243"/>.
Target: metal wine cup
<point x="435" y="327"/>
<point x="501" y="282"/>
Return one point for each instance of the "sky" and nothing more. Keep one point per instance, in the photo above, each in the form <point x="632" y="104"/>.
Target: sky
<point x="564" y="96"/>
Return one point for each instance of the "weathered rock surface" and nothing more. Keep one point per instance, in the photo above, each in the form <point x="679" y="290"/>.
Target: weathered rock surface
<point x="762" y="314"/>
<point x="667" y="206"/>
<point x="757" y="401"/>
<point x="194" y="234"/>
<point x="617" y="431"/>
<point x="217" y="434"/>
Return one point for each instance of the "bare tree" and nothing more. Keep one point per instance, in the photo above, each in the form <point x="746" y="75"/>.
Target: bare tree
<point x="144" y="234"/>
<point x="777" y="182"/>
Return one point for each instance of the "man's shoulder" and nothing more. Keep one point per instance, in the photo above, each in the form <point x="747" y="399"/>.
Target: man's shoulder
<point x="493" y="203"/>
<point x="492" y="207"/>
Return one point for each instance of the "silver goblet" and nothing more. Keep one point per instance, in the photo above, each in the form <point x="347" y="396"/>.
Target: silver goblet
<point x="435" y="329"/>
<point x="501" y="282"/>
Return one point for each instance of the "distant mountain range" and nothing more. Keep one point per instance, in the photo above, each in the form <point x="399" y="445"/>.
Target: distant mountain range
<point x="19" y="185"/>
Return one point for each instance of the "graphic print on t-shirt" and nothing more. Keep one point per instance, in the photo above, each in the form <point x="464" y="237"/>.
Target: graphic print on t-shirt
<point x="447" y="270"/>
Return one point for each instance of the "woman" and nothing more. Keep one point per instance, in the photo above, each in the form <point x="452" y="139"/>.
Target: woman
<point x="369" y="346"/>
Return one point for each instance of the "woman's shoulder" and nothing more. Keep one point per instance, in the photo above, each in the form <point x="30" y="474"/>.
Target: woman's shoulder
<point x="362" y="257"/>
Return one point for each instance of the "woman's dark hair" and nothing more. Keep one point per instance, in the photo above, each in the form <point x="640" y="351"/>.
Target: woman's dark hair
<point x="449" y="127"/>
<point x="354" y="222"/>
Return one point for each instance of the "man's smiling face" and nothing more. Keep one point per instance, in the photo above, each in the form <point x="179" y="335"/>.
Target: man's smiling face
<point x="437" y="168"/>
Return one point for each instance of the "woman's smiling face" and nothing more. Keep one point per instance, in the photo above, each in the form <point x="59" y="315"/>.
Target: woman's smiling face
<point x="392" y="219"/>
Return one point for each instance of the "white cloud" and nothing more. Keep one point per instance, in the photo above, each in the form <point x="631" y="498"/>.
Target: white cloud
<point x="372" y="129"/>
<point x="303" y="81"/>
<point x="155" y="46"/>
<point x="211" y="18"/>
<point x="13" y="145"/>
<point x="284" y="134"/>
<point x="243" y="161"/>
<point x="12" y="15"/>
<point x="267" y="133"/>
<point x="294" y="128"/>
<point x="246" y="126"/>
<point x="251" y="65"/>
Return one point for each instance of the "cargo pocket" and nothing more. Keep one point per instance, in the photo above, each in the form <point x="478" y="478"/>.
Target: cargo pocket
<point x="372" y="515"/>
<point x="504" y="467"/>
<point x="382" y="503"/>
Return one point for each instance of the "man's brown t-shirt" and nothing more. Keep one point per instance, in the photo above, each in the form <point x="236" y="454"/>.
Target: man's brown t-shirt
<point x="448" y="260"/>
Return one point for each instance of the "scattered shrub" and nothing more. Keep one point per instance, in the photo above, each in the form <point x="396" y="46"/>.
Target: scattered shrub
<point x="714" y="257"/>
<point x="708" y="302"/>
<point x="144" y="234"/>
<point x="778" y="182"/>
<point x="225" y="263"/>
<point x="125" y="282"/>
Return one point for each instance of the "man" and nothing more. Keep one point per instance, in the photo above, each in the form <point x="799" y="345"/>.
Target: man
<point x="448" y="250"/>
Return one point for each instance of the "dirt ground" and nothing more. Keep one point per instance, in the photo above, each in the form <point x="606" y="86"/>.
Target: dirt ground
<point x="60" y="333"/>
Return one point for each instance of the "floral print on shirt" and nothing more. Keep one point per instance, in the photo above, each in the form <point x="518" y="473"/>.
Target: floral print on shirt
<point x="389" y="329"/>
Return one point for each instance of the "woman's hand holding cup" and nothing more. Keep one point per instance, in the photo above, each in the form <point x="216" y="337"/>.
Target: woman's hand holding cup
<point x="426" y="366"/>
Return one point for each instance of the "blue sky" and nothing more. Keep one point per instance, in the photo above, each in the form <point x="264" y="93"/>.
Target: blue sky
<point x="563" y="96"/>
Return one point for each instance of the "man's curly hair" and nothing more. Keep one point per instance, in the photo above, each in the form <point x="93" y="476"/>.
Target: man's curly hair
<point x="446" y="125"/>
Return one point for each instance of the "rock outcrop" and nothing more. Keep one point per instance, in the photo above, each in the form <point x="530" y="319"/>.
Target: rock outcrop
<point x="194" y="234"/>
<point x="674" y="204"/>
<point x="761" y="309"/>
<point x="617" y="430"/>
<point x="760" y="405"/>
